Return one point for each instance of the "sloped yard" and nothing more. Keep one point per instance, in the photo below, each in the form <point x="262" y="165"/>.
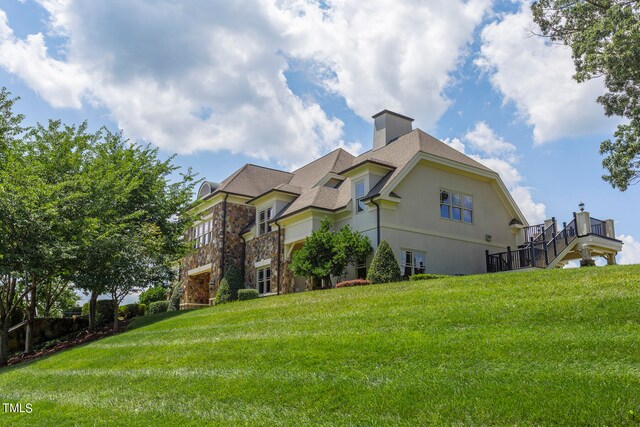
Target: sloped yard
<point x="534" y="348"/>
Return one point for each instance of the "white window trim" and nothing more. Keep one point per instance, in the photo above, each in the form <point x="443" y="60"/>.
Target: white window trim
<point x="264" y="268"/>
<point x="403" y="251"/>
<point x="262" y="263"/>
<point x="451" y="206"/>
<point x="206" y="235"/>
<point x="264" y="209"/>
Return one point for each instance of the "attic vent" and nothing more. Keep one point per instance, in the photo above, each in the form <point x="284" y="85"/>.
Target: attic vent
<point x="333" y="183"/>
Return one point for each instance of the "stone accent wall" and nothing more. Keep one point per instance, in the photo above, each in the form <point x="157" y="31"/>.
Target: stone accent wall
<point x="261" y="248"/>
<point x="238" y="216"/>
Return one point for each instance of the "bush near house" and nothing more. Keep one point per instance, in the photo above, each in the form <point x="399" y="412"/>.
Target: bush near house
<point x="350" y="283"/>
<point x="158" y="307"/>
<point x="223" y="295"/>
<point x="104" y="311"/>
<point x="157" y="293"/>
<point x="129" y="311"/>
<point x="235" y="281"/>
<point x="427" y="276"/>
<point x="384" y="268"/>
<point x="247" y="294"/>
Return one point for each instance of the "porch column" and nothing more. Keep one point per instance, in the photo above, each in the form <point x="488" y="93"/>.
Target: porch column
<point x="583" y="223"/>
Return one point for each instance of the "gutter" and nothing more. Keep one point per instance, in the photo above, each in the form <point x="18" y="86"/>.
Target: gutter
<point x="224" y="234"/>
<point x="279" y="256"/>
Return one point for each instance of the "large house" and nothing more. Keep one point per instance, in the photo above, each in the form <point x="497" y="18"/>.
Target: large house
<point x="440" y="210"/>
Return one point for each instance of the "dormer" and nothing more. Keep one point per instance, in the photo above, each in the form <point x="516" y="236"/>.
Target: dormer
<point x="269" y="204"/>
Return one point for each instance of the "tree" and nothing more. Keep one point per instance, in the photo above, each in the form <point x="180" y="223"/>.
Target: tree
<point x="153" y="294"/>
<point x="604" y="36"/>
<point x="327" y="254"/>
<point x="384" y="267"/>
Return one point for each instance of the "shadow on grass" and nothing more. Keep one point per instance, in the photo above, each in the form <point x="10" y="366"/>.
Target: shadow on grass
<point x="139" y="322"/>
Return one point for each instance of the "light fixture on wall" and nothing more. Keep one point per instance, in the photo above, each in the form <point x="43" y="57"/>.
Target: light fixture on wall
<point x="581" y="206"/>
<point x="488" y="237"/>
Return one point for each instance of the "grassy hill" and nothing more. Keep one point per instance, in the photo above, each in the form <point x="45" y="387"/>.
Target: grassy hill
<point x="534" y="348"/>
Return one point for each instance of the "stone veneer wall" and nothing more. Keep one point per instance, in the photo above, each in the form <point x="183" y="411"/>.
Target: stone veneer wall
<point x="238" y="216"/>
<point x="261" y="248"/>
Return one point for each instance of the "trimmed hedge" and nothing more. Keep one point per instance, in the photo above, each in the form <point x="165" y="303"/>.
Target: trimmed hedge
<point x="355" y="282"/>
<point x="158" y="307"/>
<point x="235" y="280"/>
<point x="129" y="311"/>
<point x="156" y="293"/>
<point x="384" y="266"/>
<point x="223" y="295"/>
<point x="427" y="276"/>
<point x="247" y="294"/>
<point x="104" y="311"/>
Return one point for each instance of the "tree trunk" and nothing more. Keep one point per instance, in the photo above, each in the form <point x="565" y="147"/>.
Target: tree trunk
<point x="115" y="315"/>
<point x="31" y="319"/>
<point x="4" y="343"/>
<point x="92" y="310"/>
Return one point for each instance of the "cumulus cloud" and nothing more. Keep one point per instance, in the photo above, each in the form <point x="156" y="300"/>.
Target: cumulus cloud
<point x="500" y="156"/>
<point x="536" y="77"/>
<point x="630" y="250"/>
<point x="193" y="75"/>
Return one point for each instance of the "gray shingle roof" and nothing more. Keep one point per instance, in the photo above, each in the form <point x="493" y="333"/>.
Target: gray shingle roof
<point x="252" y="180"/>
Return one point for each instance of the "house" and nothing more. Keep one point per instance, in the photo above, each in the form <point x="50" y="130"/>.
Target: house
<point x="440" y="210"/>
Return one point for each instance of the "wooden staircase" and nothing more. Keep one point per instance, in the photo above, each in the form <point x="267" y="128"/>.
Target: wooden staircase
<point x="546" y="247"/>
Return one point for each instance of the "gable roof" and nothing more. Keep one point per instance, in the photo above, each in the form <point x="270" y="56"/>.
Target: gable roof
<point x="253" y="181"/>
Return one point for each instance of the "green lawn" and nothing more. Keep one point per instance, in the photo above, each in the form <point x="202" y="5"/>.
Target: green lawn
<point x="535" y="348"/>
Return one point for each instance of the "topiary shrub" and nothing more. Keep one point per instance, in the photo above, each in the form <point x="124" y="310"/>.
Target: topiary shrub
<point x="384" y="268"/>
<point x="247" y="294"/>
<point x="426" y="276"/>
<point x="157" y="293"/>
<point x="349" y="283"/>
<point x="104" y="311"/>
<point x="223" y="295"/>
<point x="175" y="296"/>
<point x="158" y="307"/>
<point x="129" y="311"/>
<point x="235" y="281"/>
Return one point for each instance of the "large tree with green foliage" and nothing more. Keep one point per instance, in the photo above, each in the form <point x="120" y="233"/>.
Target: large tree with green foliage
<point x="326" y="253"/>
<point x="604" y="36"/>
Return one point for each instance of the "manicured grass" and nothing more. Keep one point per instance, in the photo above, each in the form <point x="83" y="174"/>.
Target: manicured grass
<point x="534" y="348"/>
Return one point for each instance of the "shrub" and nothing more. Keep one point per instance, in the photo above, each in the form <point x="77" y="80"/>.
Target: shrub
<point x="129" y="311"/>
<point x="235" y="281"/>
<point x="158" y="307"/>
<point x="384" y="267"/>
<point x="247" y="294"/>
<point x="427" y="276"/>
<point x="223" y="295"/>
<point x="175" y="296"/>
<point x="157" y="293"/>
<point x="104" y="311"/>
<point x="349" y="283"/>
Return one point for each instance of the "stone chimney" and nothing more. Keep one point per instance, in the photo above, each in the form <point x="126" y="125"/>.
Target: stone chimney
<point x="388" y="126"/>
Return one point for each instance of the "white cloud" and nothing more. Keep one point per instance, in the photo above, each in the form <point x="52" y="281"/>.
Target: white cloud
<point x="630" y="250"/>
<point x="193" y="75"/>
<point x="483" y="138"/>
<point x="500" y="156"/>
<point x="536" y="76"/>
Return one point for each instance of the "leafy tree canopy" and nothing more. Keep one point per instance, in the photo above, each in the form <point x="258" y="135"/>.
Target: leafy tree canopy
<point x="327" y="254"/>
<point x="604" y="36"/>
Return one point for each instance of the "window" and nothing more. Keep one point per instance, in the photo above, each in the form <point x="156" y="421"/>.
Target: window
<point x="264" y="280"/>
<point x="413" y="262"/>
<point x="456" y="206"/>
<point x="263" y="220"/>
<point x="359" y="195"/>
<point x="361" y="269"/>
<point x="201" y="234"/>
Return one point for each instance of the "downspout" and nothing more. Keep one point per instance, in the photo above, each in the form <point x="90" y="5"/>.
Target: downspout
<point x="244" y="256"/>
<point x="377" y="221"/>
<point x="224" y="235"/>
<point x="279" y="257"/>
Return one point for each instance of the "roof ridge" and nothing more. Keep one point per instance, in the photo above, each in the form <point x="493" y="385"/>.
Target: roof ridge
<point x="266" y="167"/>
<point x="318" y="159"/>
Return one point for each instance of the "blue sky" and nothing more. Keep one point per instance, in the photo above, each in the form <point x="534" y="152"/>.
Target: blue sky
<point x="279" y="83"/>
